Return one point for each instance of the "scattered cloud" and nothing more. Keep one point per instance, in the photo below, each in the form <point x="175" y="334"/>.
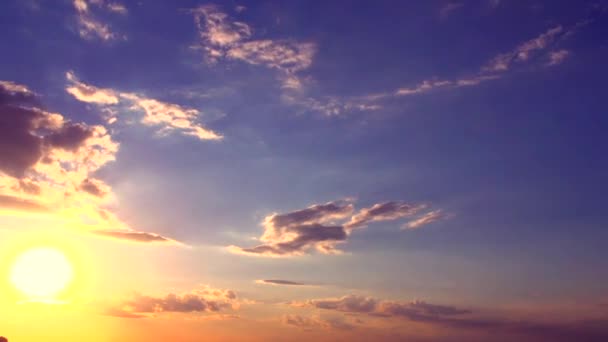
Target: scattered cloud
<point x="387" y="211"/>
<point x="89" y="25"/>
<point x="557" y="57"/>
<point x="423" y="87"/>
<point x="168" y="116"/>
<point x="225" y="38"/>
<point x="315" y="322"/>
<point x="88" y="93"/>
<point x="523" y="52"/>
<point x="204" y="299"/>
<point x="427" y="218"/>
<point x="318" y="227"/>
<point x="415" y="311"/>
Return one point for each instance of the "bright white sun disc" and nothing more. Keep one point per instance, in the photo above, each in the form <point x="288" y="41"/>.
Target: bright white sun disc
<point x="41" y="273"/>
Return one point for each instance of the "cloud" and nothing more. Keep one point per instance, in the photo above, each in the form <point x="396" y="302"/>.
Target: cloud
<point x="88" y="93"/>
<point x="296" y="232"/>
<point x="89" y="26"/>
<point x="524" y="51"/>
<point x="223" y="37"/>
<point x="134" y="236"/>
<point x="557" y="57"/>
<point x="310" y="323"/>
<point x="423" y="87"/>
<point x="386" y="211"/>
<point x="12" y="202"/>
<point x="48" y="165"/>
<point x="416" y="310"/>
<point x="457" y="318"/>
<point x="280" y="282"/>
<point x="201" y="300"/>
<point x="168" y="117"/>
<point x="425" y="219"/>
<point x="317" y="227"/>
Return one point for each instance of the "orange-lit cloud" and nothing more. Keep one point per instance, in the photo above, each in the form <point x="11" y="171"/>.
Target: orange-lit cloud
<point x="49" y="162"/>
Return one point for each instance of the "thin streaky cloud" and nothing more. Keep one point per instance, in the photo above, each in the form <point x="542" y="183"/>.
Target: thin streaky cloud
<point x="168" y="117"/>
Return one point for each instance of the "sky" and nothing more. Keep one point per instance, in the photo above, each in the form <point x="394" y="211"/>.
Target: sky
<point x="299" y="170"/>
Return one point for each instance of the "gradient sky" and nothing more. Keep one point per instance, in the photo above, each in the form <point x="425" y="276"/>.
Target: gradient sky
<point x="298" y="170"/>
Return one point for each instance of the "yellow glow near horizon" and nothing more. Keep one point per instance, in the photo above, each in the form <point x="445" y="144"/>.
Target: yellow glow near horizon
<point x="41" y="273"/>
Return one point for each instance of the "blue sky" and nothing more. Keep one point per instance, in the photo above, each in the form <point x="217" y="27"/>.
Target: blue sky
<point x="487" y="115"/>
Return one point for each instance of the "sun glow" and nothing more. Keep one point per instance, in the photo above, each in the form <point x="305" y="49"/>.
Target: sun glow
<point x="42" y="273"/>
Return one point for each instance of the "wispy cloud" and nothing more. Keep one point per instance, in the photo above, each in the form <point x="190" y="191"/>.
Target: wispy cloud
<point x="169" y="117"/>
<point x="88" y="93"/>
<point x="557" y="57"/>
<point x="427" y="218"/>
<point x="524" y="54"/>
<point x="525" y="51"/>
<point x="225" y="38"/>
<point x="89" y="25"/>
<point x="135" y="236"/>
<point x="280" y="282"/>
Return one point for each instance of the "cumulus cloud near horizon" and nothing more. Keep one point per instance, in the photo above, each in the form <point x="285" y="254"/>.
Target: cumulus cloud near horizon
<point x="201" y="300"/>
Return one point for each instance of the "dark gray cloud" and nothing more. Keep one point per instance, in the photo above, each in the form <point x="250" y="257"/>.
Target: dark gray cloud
<point x="12" y="202"/>
<point x="133" y="236"/>
<point x="27" y="133"/>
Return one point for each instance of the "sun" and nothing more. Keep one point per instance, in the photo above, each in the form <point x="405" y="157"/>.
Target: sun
<point x="41" y="273"/>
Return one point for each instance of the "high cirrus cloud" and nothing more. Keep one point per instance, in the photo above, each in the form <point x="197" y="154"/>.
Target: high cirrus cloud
<point x="168" y="117"/>
<point x="48" y="163"/>
<point x="320" y="227"/>
<point x="223" y="37"/>
<point x="495" y="68"/>
<point x="89" y="25"/>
